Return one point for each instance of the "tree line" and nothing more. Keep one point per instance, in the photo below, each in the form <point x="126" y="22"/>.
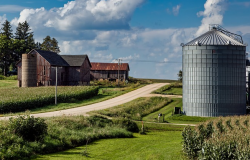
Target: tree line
<point x="13" y="45"/>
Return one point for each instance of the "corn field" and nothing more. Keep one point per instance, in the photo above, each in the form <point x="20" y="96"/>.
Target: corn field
<point x="21" y="99"/>
<point x="222" y="138"/>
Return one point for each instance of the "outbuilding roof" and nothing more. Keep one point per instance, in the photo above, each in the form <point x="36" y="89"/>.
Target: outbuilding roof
<point x="214" y="37"/>
<point x="109" y="66"/>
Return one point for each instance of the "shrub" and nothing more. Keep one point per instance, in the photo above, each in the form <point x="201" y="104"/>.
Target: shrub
<point x="28" y="127"/>
<point x="64" y="132"/>
<point x="127" y="124"/>
<point x="98" y="121"/>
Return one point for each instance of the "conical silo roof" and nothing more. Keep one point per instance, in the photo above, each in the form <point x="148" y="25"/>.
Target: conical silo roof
<point x="214" y="37"/>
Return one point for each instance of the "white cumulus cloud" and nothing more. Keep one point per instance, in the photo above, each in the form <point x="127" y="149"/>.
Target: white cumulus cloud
<point x="213" y="14"/>
<point x="82" y="15"/>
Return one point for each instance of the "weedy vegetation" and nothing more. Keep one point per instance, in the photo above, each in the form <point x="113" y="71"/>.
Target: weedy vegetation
<point x="170" y="89"/>
<point x="136" y="109"/>
<point x="25" y="137"/>
<point x="221" y="138"/>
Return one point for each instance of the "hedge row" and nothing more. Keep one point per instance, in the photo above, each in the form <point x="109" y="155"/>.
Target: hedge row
<point x="21" y="99"/>
<point x="223" y="138"/>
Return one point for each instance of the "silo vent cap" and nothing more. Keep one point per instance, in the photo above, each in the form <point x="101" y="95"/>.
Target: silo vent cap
<point x="197" y="43"/>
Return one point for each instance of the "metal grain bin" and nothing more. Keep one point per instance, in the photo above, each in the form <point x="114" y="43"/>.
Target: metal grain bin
<point x="29" y="70"/>
<point x="214" y="74"/>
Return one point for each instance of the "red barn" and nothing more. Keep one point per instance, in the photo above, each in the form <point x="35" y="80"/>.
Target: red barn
<point x="38" y="68"/>
<point x="109" y="71"/>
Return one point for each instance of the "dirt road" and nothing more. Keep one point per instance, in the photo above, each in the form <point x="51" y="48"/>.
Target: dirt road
<point x="141" y="92"/>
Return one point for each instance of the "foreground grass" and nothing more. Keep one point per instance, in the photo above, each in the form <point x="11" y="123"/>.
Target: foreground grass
<point x="155" y="145"/>
<point x="63" y="132"/>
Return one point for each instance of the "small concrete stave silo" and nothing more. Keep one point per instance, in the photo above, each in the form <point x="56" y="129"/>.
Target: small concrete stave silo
<point x="29" y="70"/>
<point x="214" y="74"/>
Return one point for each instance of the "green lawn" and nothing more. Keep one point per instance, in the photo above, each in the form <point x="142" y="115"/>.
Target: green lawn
<point x="177" y="119"/>
<point x="167" y="111"/>
<point x="8" y="83"/>
<point x="155" y="145"/>
<point x="173" y="91"/>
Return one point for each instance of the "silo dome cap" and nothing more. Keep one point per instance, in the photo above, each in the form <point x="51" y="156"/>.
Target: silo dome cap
<point x="217" y="36"/>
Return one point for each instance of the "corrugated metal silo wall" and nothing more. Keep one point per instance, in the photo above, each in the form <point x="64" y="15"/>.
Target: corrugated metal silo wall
<point x="214" y="80"/>
<point x="29" y="70"/>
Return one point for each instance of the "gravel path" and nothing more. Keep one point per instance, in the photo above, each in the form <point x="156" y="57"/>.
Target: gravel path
<point x="141" y="92"/>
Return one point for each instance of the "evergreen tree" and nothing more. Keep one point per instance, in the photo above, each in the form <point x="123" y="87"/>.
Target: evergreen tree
<point x="38" y="45"/>
<point x="50" y="44"/>
<point x="24" y="34"/>
<point x="55" y="47"/>
<point x="6" y="46"/>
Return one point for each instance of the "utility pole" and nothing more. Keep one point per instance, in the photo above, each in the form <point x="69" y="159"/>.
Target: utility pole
<point x="119" y="63"/>
<point x="56" y="88"/>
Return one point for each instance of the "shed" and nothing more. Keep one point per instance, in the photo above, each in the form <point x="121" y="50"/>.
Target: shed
<point x="109" y="71"/>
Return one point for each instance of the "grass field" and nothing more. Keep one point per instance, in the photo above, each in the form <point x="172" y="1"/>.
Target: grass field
<point x="8" y="84"/>
<point x="156" y="145"/>
<point x="170" y="89"/>
<point x="167" y="111"/>
<point x="135" y="109"/>
<point x="173" y="91"/>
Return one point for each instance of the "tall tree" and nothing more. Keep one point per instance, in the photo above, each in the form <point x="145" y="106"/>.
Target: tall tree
<point x="50" y="44"/>
<point x="6" y="29"/>
<point x="6" y="46"/>
<point x="180" y="75"/>
<point x="23" y="33"/>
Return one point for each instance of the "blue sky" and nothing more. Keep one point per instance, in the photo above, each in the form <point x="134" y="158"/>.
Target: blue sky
<point x="145" y="33"/>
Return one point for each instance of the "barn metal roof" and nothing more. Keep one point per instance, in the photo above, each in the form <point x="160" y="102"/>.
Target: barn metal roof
<point x="109" y="66"/>
<point x="62" y="60"/>
<point x="214" y="37"/>
<point x="74" y="60"/>
<point x="52" y="57"/>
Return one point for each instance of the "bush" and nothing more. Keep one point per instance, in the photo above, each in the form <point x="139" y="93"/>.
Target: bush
<point x="98" y="121"/>
<point x="127" y="124"/>
<point x="28" y="127"/>
<point x="64" y="132"/>
<point x="8" y="78"/>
